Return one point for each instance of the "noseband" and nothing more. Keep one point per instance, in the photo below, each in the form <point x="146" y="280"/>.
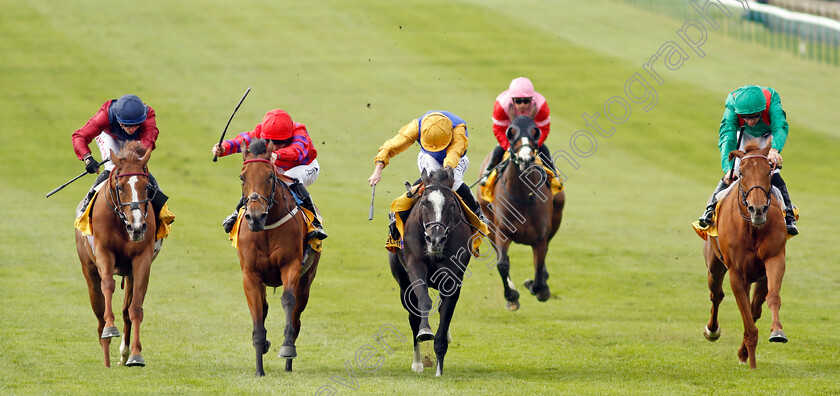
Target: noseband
<point x="269" y="201"/>
<point x="514" y="156"/>
<point x="744" y="194"/>
<point x="117" y="206"/>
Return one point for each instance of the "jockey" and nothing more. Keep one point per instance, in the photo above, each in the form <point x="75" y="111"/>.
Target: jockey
<point x="752" y="112"/>
<point x="117" y="122"/>
<point x="519" y="99"/>
<point x="443" y="143"/>
<point x="294" y="156"/>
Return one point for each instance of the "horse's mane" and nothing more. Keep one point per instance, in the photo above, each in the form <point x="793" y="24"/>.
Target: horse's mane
<point x="438" y="177"/>
<point x="133" y="151"/>
<point x="258" y="146"/>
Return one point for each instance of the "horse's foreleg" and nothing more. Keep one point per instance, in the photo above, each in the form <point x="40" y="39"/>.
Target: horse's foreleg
<point x="125" y="351"/>
<point x="291" y="278"/>
<point x="97" y="303"/>
<point x="539" y="287"/>
<point x="423" y="308"/>
<point x="759" y="294"/>
<point x="105" y="266"/>
<point x="716" y="273"/>
<point x="741" y="293"/>
<point x="775" y="268"/>
<point x="255" y="294"/>
<point x="503" y="266"/>
<point x="447" y="308"/>
<point x="139" y="285"/>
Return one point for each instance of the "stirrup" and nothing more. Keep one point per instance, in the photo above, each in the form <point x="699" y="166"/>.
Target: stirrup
<point x="790" y="224"/>
<point x="318" y="233"/>
<point x="707" y="218"/>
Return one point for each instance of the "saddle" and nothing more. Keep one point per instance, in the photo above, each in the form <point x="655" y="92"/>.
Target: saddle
<point x="486" y="191"/>
<point x="711" y="230"/>
<point x="163" y="219"/>
<point x="406" y="201"/>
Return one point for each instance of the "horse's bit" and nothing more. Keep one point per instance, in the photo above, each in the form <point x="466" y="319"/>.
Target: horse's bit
<point x="744" y="194"/>
<point x="269" y="202"/>
<point x="133" y="204"/>
<point x="427" y="227"/>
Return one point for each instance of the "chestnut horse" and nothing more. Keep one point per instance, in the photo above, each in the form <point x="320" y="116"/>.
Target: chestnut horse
<point x="271" y="250"/>
<point x="751" y="245"/>
<point x="435" y="254"/>
<point x="522" y="196"/>
<point x="123" y="244"/>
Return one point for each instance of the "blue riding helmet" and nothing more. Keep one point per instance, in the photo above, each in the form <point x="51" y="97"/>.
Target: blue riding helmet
<point x="130" y="110"/>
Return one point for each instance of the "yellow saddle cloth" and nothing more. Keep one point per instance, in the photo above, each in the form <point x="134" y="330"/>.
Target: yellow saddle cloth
<point x="315" y="244"/>
<point x="164" y="220"/>
<point x="711" y="230"/>
<point x="403" y="203"/>
<point x="486" y="191"/>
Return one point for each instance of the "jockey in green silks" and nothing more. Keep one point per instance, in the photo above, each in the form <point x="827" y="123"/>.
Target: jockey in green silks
<point x="752" y="112"/>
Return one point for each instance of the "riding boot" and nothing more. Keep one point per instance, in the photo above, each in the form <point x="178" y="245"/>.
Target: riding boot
<point x="306" y="202"/>
<point x="498" y="151"/>
<point x="99" y="179"/>
<point x="790" y="220"/>
<point x="706" y="219"/>
<point x="229" y="221"/>
<point x="159" y="198"/>
<point x="464" y="192"/>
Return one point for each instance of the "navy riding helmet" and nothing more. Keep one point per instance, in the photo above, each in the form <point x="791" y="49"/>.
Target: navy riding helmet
<point x="130" y="110"/>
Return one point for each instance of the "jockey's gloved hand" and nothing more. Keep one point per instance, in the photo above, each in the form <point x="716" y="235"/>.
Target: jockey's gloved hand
<point x="91" y="166"/>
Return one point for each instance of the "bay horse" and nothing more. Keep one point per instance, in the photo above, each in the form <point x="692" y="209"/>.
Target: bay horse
<point x="122" y="244"/>
<point x="522" y="195"/>
<point x="271" y="250"/>
<point x="751" y="246"/>
<point x="435" y="253"/>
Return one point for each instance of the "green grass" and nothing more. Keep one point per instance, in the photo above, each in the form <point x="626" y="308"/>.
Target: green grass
<point x="629" y="287"/>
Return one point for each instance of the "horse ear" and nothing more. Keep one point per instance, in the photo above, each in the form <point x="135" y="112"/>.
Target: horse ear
<point x="146" y="157"/>
<point x="114" y="158"/>
<point x="269" y="148"/>
<point x="768" y="145"/>
<point x="735" y="153"/>
<point x="450" y="178"/>
<point x="537" y="133"/>
<point x="424" y="176"/>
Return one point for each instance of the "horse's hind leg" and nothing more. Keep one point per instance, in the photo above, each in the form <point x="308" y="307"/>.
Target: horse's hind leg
<point x="716" y="273"/>
<point x="302" y="298"/>
<point x="97" y="302"/>
<point x="539" y="286"/>
<point x="503" y="266"/>
<point x="125" y="350"/>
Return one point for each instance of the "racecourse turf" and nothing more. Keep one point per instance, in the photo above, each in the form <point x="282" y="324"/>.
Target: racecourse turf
<point x="629" y="296"/>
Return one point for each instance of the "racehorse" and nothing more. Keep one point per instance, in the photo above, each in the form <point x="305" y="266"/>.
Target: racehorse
<point x="271" y="250"/>
<point x="435" y="254"/>
<point x="751" y="245"/>
<point x="123" y="244"/>
<point x="521" y="194"/>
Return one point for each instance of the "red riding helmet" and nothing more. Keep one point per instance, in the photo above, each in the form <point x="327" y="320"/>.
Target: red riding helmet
<point x="277" y="125"/>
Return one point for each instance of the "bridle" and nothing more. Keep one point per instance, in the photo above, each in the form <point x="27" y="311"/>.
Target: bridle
<point x="117" y="204"/>
<point x="430" y="226"/>
<point x="254" y="197"/>
<point x="514" y="157"/>
<point x="744" y="194"/>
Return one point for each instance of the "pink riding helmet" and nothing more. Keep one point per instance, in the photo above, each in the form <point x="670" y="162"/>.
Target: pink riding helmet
<point x="521" y="87"/>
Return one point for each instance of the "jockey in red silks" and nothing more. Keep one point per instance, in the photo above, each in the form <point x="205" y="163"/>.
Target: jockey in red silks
<point x="117" y="122"/>
<point x="519" y="99"/>
<point x="752" y="112"/>
<point x="294" y="156"/>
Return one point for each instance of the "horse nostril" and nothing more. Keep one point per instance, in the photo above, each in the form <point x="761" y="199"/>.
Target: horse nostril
<point x="751" y="209"/>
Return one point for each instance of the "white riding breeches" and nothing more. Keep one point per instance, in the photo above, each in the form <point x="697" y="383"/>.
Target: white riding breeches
<point x="747" y="138"/>
<point x="306" y="174"/>
<point x="106" y="144"/>
<point x="429" y="163"/>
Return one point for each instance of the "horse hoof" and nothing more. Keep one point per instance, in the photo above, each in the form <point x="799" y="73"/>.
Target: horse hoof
<point x="110" y="332"/>
<point x="267" y="345"/>
<point x="778" y="336"/>
<point x="512" y="305"/>
<point x="135" y="361"/>
<point x="417" y="367"/>
<point x="287" y="352"/>
<point x="425" y="334"/>
<point x="711" y="335"/>
<point x="528" y="284"/>
<point x="544" y="295"/>
<point x="744" y="362"/>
